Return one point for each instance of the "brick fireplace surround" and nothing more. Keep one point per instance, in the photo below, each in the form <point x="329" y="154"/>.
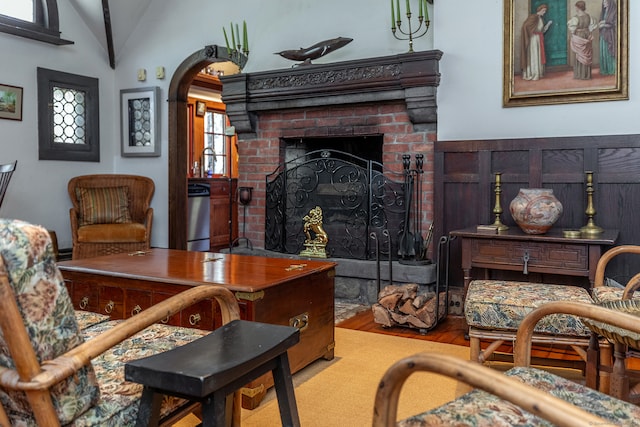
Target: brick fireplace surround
<point x="392" y="96"/>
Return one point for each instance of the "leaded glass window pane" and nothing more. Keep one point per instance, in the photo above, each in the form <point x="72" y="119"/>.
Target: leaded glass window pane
<point x="69" y="111"/>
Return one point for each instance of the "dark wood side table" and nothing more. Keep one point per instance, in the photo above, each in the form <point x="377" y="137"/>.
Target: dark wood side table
<point x="549" y="253"/>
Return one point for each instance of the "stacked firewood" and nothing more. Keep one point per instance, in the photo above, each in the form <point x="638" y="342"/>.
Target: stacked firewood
<point x="402" y="305"/>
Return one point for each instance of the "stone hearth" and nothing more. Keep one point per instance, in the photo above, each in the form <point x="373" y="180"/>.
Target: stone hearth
<point x="356" y="280"/>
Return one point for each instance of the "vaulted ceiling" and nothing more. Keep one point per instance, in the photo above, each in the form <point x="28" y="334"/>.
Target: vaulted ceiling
<point x="112" y="21"/>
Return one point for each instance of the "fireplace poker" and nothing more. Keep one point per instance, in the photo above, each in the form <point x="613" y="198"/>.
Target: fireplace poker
<point x="375" y="239"/>
<point x="385" y="233"/>
<point x="418" y="240"/>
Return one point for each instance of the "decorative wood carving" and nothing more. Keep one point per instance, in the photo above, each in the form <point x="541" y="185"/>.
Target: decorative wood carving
<point x="411" y="77"/>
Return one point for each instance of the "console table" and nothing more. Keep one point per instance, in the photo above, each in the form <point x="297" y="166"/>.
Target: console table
<point x="514" y="250"/>
<point x="270" y="290"/>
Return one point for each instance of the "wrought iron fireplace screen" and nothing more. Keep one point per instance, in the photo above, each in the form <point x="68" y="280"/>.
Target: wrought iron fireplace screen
<point x="357" y="196"/>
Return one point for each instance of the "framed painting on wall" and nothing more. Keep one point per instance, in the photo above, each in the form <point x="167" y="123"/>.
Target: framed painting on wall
<point x="140" y="117"/>
<point x="10" y="102"/>
<point x="565" y="51"/>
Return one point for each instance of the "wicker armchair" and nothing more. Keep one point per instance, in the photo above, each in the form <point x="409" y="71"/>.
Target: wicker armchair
<point x="521" y="396"/>
<point x="110" y="214"/>
<point x="64" y="367"/>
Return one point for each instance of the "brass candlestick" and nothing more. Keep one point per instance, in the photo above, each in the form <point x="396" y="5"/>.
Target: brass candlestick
<point x="497" y="210"/>
<point x="591" y="228"/>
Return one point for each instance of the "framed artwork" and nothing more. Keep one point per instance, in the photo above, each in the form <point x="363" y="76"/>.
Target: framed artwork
<point x="10" y="102"/>
<point x="201" y="108"/>
<point x="565" y="51"/>
<point x="139" y="120"/>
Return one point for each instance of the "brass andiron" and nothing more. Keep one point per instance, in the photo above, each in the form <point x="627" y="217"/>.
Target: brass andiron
<point x="497" y="210"/>
<point x="317" y="239"/>
<point x="591" y="228"/>
<point x="409" y="34"/>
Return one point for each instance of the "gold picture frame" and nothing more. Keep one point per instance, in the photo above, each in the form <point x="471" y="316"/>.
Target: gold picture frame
<point x="560" y="78"/>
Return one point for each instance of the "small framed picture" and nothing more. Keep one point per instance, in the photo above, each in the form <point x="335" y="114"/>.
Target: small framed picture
<point x="201" y="108"/>
<point x="140" y="117"/>
<point x="10" y="102"/>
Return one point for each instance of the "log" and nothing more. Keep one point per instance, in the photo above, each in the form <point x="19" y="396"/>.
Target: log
<point x="381" y="315"/>
<point x="400" y="305"/>
<point x="390" y="301"/>
<point x="407" y="307"/>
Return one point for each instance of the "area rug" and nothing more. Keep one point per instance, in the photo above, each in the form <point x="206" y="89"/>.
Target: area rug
<point x="341" y="392"/>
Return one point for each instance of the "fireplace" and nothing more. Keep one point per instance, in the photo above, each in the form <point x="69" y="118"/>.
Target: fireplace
<point x="391" y="100"/>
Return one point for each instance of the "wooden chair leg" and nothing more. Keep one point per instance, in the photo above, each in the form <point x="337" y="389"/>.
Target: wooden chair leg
<point x="474" y="349"/>
<point x="619" y="378"/>
<point x="604" y="369"/>
<point x="592" y="362"/>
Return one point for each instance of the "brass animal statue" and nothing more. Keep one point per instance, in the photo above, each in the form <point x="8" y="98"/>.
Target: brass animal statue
<point x="315" y="245"/>
<point x="316" y="51"/>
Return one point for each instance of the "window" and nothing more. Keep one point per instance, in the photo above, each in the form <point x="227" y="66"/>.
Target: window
<point x="214" y="139"/>
<point x="68" y="117"/>
<point x="33" y="19"/>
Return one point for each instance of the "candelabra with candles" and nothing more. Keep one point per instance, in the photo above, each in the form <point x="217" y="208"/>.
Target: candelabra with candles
<point x="409" y="34"/>
<point x="239" y="48"/>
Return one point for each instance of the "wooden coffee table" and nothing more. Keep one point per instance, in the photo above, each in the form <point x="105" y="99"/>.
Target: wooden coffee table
<point x="271" y="290"/>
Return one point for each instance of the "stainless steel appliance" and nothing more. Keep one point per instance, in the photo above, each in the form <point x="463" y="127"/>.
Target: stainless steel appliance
<point x="198" y="211"/>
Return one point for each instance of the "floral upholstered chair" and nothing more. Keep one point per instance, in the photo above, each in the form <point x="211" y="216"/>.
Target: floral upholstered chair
<point x="60" y="367"/>
<point x="521" y="396"/>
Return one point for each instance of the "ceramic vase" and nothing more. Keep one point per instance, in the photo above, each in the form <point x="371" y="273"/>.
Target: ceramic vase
<point x="535" y="210"/>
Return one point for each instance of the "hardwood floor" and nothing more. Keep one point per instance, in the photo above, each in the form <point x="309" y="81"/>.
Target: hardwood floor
<point x="451" y="330"/>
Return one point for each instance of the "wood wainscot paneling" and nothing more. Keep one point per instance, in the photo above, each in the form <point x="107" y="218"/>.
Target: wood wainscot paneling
<point x="465" y="184"/>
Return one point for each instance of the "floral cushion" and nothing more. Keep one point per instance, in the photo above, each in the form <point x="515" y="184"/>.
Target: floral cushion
<point x="86" y="319"/>
<point x="48" y="316"/>
<point x="610" y="293"/>
<point x="119" y="399"/>
<point x="501" y="305"/>
<point x="479" y="408"/>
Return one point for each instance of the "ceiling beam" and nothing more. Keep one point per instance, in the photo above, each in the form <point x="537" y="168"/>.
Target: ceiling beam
<point x="107" y="29"/>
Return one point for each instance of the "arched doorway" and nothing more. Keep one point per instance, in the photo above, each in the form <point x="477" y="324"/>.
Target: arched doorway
<point x="178" y="141"/>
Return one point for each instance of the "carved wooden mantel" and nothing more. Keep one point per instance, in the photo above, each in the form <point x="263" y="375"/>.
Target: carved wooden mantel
<point x="410" y="77"/>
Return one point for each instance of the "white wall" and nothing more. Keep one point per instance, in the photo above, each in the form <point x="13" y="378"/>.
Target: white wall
<point x="470" y="95"/>
<point x="469" y="98"/>
<point x="38" y="189"/>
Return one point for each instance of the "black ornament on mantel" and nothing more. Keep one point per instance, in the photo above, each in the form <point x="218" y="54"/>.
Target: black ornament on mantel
<point x="316" y="51"/>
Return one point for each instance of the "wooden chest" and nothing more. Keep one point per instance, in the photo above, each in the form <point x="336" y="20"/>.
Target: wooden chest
<point x="270" y="290"/>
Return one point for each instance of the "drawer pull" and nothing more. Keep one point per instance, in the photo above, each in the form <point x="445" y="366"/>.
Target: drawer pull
<point x="194" y="319"/>
<point x="525" y="267"/>
<point x="137" y="309"/>
<point x="300" y="321"/>
<point x="109" y="307"/>
<point x="84" y="302"/>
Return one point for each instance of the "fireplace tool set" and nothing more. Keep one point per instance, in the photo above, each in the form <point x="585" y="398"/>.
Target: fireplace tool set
<point x="412" y="247"/>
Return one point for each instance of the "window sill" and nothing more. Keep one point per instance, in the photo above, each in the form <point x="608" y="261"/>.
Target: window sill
<point x="34" y="35"/>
